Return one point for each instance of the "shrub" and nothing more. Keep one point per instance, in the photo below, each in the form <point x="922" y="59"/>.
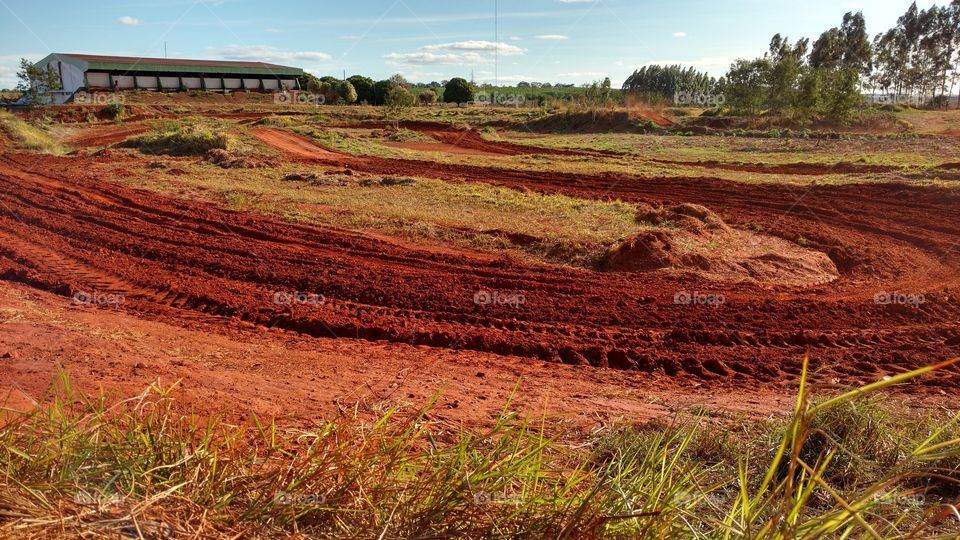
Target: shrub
<point x="114" y="110"/>
<point x="427" y="97"/>
<point x="181" y="141"/>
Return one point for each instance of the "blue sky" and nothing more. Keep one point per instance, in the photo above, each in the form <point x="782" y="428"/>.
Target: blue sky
<point x="571" y="41"/>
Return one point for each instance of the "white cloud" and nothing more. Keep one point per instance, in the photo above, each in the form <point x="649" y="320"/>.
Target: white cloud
<point x="552" y="37"/>
<point x="127" y="20"/>
<point x="267" y="53"/>
<point x="516" y="38"/>
<point x="476" y="46"/>
<point x="679" y="34"/>
<point x="422" y="58"/>
<point x="577" y="1"/>
<point x="456" y="53"/>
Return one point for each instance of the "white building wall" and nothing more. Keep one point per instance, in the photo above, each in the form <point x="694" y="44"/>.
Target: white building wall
<point x="170" y="83"/>
<point x="193" y="83"/>
<point x="123" y="81"/>
<point x="232" y="84"/>
<point x="98" y="80"/>
<point x="146" y="82"/>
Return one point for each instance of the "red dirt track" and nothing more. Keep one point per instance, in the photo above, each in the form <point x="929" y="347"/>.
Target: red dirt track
<point x="194" y="264"/>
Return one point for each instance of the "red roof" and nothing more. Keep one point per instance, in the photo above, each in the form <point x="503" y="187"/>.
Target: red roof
<point x="169" y="61"/>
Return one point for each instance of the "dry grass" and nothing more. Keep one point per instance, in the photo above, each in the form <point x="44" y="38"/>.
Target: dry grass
<point x="549" y="228"/>
<point x="92" y="467"/>
<point x="29" y="137"/>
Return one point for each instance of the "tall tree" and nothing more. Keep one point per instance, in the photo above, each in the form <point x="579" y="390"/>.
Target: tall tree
<point x="37" y="83"/>
<point x="857" y="52"/>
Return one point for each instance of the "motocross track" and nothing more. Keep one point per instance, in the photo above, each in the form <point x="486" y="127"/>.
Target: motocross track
<point x="194" y="264"/>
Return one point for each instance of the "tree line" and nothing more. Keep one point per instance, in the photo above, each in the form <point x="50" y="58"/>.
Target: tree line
<point x="395" y="91"/>
<point x="917" y="61"/>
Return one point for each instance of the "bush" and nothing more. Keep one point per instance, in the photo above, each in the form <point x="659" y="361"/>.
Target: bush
<point x="114" y="110"/>
<point x="182" y="141"/>
<point x="427" y="97"/>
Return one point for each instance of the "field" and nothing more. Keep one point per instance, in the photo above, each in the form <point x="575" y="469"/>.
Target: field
<point x="595" y="269"/>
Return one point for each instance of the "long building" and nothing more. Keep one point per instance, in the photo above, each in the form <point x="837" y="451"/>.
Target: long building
<point x="99" y="73"/>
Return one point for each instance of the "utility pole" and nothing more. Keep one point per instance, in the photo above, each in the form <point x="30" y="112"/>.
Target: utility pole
<point x="496" y="49"/>
<point x="164" y="48"/>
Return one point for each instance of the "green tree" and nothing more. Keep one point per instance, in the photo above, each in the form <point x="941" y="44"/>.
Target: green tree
<point x="399" y="80"/>
<point x="746" y="85"/>
<point x="398" y="100"/>
<point x="810" y="93"/>
<point x="656" y="82"/>
<point x="458" y="91"/>
<point x="364" y="88"/>
<point x="857" y="52"/>
<point x="346" y="93"/>
<point x="309" y="83"/>
<point x="843" y="93"/>
<point x="380" y="91"/>
<point x="37" y="83"/>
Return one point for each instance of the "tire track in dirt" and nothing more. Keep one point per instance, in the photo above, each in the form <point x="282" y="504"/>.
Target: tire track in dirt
<point x="185" y="261"/>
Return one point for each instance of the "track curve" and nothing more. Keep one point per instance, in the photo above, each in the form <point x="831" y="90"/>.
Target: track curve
<point x="63" y="230"/>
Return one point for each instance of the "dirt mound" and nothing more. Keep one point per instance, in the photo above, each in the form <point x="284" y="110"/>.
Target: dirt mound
<point x="692" y="238"/>
<point x="227" y="160"/>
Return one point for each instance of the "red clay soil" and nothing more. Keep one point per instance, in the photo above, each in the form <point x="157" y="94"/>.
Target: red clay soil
<point x="196" y="265"/>
<point x="470" y="141"/>
<point x="272" y="373"/>
<point x="812" y="169"/>
<point x="106" y="135"/>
